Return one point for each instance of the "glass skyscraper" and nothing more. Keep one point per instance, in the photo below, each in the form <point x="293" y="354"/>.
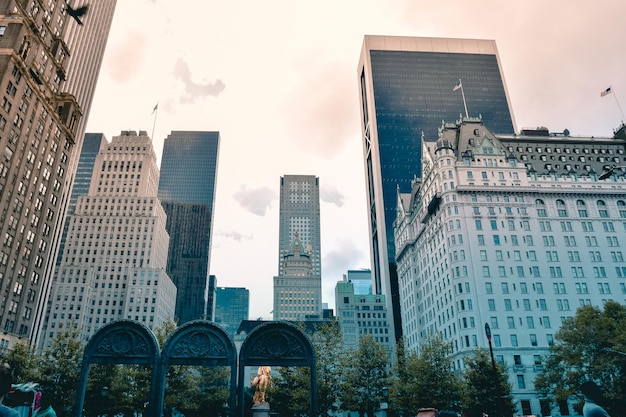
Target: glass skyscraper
<point x="232" y="306"/>
<point x="187" y="192"/>
<point x="406" y="90"/>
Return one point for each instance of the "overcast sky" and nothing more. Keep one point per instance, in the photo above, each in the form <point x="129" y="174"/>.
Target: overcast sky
<point x="278" y="80"/>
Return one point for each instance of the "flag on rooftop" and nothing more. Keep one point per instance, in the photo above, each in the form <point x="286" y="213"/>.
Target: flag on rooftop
<point x="155" y="108"/>
<point x="457" y="86"/>
<point x="605" y="92"/>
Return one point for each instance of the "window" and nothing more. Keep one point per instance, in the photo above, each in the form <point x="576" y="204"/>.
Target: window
<point x="514" y="340"/>
<point x="541" y="208"/>
<point x="560" y="205"/>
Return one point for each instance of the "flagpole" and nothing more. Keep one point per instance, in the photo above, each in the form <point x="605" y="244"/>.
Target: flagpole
<point x="618" y="106"/>
<point x="463" y="94"/>
<point x="156" y="112"/>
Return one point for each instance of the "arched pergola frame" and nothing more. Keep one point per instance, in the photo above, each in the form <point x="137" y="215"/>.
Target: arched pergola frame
<point x="278" y="343"/>
<point x="199" y="343"/>
<point x="121" y="342"/>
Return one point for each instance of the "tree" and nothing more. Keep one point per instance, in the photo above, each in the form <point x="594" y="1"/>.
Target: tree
<point x="590" y="345"/>
<point x="365" y="377"/>
<point x="427" y="379"/>
<point x="481" y="392"/>
<point x="24" y="363"/>
<point x="60" y="369"/>
<point x="292" y="385"/>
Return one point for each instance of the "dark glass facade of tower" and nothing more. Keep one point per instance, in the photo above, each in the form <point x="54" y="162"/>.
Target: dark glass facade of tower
<point x="232" y="306"/>
<point x="187" y="192"/>
<point x="406" y="89"/>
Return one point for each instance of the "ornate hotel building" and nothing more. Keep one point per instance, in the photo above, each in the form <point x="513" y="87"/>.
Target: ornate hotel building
<point x="513" y="231"/>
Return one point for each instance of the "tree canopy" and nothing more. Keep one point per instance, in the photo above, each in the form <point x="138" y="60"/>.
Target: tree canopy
<point x="589" y="346"/>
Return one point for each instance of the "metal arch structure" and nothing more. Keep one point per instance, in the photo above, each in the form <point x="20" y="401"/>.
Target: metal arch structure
<point x="121" y="342"/>
<point x="199" y="343"/>
<point x="278" y="343"/>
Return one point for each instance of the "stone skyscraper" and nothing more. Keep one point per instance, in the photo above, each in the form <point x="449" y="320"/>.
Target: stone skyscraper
<point x="41" y="115"/>
<point x="89" y="151"/>
<point x="406" y="90"/>
<point x="298" y="287"/>
<point x="113" y="265"/>
<point x="187" y="192"/>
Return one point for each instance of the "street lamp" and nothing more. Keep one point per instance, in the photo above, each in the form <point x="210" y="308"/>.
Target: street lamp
<point x="609" y="172"/>
<point x="495" y="371"/>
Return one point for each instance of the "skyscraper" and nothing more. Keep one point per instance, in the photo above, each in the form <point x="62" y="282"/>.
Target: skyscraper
<point x="300" y="213"/>
<point x="298" y="285"/>
<point x="89" y="151"/>
<point x="187" y="192"/>
<point x="41" y="111"/>
<point x="297" y="289"/>
<point x="232" y="306"/>
<point x="406" y="90"/>
<point x="113" y="265"/>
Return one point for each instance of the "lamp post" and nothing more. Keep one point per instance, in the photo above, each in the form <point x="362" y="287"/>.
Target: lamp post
<point x="104" y="393"/>
<point x="495" y="371"/>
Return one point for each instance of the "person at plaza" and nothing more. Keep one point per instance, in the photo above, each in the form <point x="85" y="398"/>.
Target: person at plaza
<point x="6" y="379"/>
<point x="45" y="410"/>
<point x="593" y="395"/>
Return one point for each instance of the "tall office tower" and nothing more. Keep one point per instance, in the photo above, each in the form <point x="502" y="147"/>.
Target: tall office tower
<point x="89" y="151"/>
<point x="187" y="192"/>
<point x="297" y="288"/>
<point x="86" y="43"/>
<point x="232" y="306"/>
<point x="359" y="312"/>
<point x="39" y="114"/>
<point x="300" y="214"/>
<point x="516" y="231"/>
<point x="406" y="89"/>
<point x="115" y="254"/>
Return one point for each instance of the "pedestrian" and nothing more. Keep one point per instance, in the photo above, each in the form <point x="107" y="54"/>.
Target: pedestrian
<point x="593" y="395"/>
<point x="45" y="410"/>
<point x="6" y="379"/>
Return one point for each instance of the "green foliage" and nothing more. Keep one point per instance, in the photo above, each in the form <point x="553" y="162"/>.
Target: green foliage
<point x="60" y="369"/>
<point x="590" y="345"/>
<point x="425" y="379"/>
<point x="365" y="377"/>
<point x="292" y="385"/>
<point x="24" y="362"/>
<point x="483" y="387"/>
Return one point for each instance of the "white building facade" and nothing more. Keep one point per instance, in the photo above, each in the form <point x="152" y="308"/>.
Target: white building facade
<point x="113" y="265"/>
<point x="359" y="312"/>
<point x="511" y="231"/>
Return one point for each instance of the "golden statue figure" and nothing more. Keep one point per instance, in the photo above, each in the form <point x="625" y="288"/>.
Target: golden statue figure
<point x="262" y="382"/>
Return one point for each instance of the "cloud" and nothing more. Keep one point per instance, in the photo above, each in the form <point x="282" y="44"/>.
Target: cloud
<point x="324" y="110"/>
<point x="193" y="91"/>
<point x="257" y="200"/>
<point x="236" y="236"/>
<point x="330" y="194"/>
<point x="127" y="57"/>
<point x="345" y="255"/>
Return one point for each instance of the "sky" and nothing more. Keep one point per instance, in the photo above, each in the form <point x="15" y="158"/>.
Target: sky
<point x="278" y="80"/>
